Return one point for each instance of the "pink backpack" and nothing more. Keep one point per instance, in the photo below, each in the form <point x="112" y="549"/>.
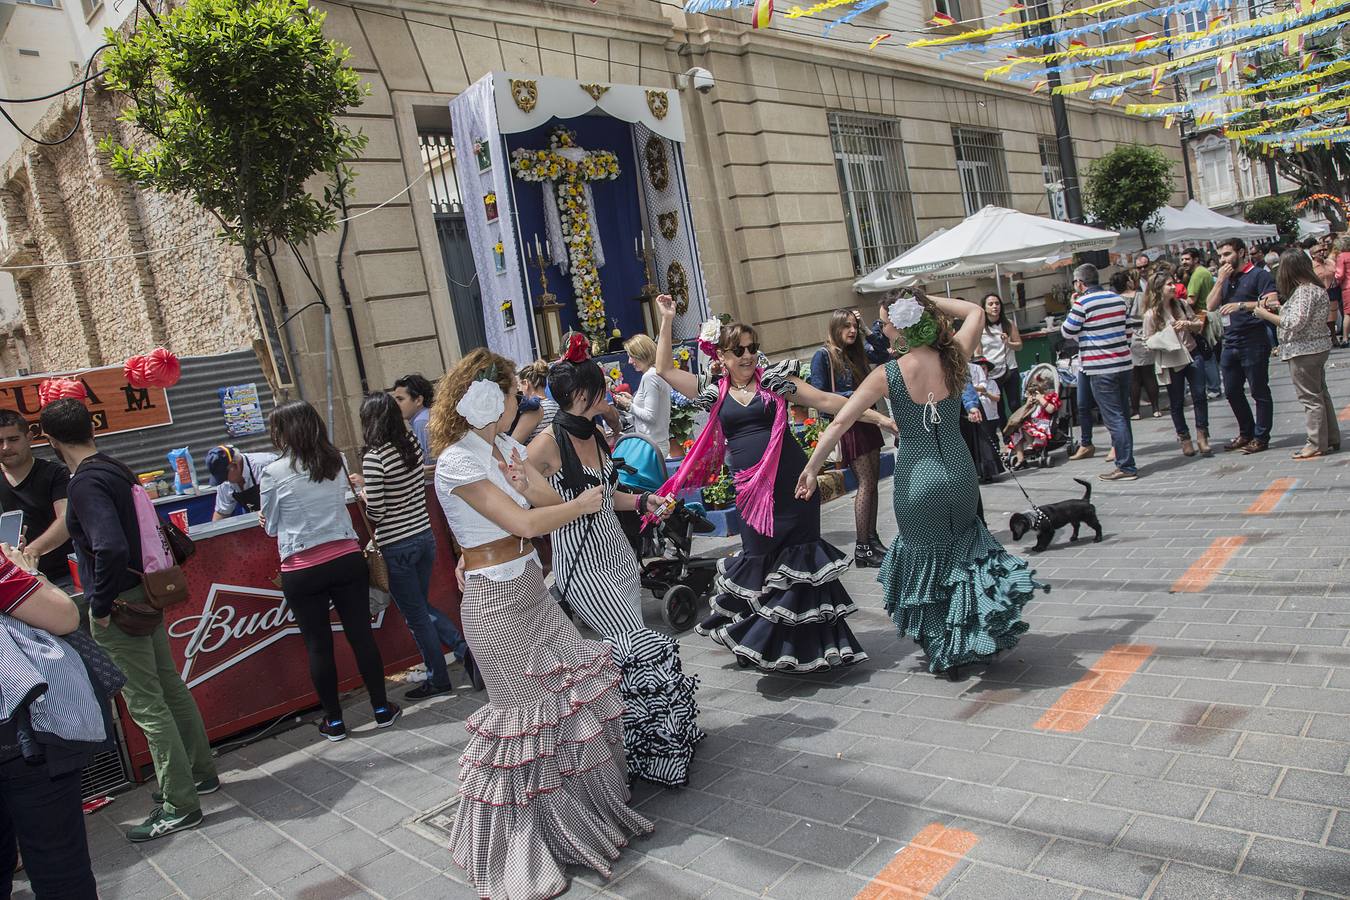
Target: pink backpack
<point x="155" y="553"/>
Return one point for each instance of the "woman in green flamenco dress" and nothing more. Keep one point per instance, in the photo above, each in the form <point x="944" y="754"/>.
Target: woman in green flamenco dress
<point x="948" y="583"/>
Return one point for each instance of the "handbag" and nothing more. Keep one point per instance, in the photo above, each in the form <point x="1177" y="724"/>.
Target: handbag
<point x="181" y="546"/>
<point x="135" y="619"/>
<point x="163" y="579"/>
<point x="375" y="561"/>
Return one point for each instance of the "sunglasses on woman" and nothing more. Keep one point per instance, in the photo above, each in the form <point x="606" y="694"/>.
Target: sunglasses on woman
<point x="741" y="351"/>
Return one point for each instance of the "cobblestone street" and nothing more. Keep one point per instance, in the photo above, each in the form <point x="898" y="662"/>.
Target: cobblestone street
<point x="1175" y="725"/>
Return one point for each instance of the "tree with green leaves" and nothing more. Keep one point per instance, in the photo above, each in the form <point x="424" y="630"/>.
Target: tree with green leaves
<point x="1277" y="211"/>
<point x="240" y="99"/>
<point x="1128" y="187"/>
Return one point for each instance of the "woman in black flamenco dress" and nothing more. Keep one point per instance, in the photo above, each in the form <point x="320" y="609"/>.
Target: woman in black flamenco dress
<point x="778" y="604"/>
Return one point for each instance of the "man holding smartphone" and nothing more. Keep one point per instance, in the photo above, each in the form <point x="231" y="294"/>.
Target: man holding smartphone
<point x="37" y="488"/>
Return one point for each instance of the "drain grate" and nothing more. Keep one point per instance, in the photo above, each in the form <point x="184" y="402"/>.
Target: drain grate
<point x="435" y="824"/>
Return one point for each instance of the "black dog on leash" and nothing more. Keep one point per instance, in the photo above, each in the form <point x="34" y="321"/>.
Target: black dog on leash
<point x="1046" y="520"/>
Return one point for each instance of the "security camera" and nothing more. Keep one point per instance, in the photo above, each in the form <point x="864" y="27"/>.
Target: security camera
<point x="701" y="79"/>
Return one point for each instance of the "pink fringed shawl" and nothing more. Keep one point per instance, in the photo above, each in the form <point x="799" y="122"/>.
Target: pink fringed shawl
<point x="754" y="486"/>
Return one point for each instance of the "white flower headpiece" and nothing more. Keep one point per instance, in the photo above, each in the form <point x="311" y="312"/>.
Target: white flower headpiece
<point x="483" y="403"/>
<point x="905" y="312"/>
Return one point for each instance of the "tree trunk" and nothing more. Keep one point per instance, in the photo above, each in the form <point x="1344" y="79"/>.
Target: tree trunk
<point x="1143" y="241"/>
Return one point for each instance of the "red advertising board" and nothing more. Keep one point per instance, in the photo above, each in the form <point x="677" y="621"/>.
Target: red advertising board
<point x="237" y="646"/>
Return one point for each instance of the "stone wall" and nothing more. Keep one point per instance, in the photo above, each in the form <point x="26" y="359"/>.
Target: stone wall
<point x="63" y="205"/>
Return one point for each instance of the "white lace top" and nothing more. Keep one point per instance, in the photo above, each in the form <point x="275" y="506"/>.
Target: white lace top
<point x="468" y="460"/>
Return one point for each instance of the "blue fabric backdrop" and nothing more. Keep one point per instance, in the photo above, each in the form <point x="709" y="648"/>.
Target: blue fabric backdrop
<point x="617" y="213"/>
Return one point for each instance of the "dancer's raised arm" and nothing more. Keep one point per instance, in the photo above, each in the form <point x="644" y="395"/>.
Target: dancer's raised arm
<point x="684" y="382"/>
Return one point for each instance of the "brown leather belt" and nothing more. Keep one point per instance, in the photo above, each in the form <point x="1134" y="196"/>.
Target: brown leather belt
<point x="495" y="553"/>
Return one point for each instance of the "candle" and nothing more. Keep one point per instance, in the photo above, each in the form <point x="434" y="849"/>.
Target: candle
<point x="643" y="238"/>
<point x="537" y="253"/>
<point x="636" y="251"/>
<point x="548" y="249"/>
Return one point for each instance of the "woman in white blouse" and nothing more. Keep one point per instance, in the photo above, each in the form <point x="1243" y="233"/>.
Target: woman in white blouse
<point x="544" y="765"/>
<point x="650" y="406"/>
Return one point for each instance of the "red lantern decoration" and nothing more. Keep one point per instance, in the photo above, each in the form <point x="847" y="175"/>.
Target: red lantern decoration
<point x="134" y="372"/>
<point x="54" y="389"/>
<point x="162" y="369"/>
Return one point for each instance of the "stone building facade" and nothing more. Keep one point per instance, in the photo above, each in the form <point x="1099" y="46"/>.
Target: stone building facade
<point x="779" y="219"/>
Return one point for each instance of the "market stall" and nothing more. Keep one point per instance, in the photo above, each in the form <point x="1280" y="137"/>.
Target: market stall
<point x="237" y="646"/>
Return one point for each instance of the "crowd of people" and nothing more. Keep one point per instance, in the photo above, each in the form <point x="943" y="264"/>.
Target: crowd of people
<point x="520" y="460"/>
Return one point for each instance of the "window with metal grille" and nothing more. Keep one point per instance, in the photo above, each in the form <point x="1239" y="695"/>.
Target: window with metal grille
<point x="1053" y="174"/>
<point x="869" y="157"/>
<point x="438" y="161"/>
<point x="50" y="4"/>
<point x="983" y="171"/>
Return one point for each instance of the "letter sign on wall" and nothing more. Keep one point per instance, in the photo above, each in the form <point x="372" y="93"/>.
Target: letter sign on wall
<point x="115" y="405"/>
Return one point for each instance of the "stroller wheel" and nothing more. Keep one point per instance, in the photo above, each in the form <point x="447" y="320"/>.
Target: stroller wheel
<point x="679" y="607"/>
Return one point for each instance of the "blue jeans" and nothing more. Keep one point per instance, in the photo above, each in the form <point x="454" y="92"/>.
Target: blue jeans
<point x="410" y="563"/>
<point x="1085" y="407"/>
<point x="1243" y="367"/>
<point x="1193" y="375"/>
<point x="1211" y="368"/>
<point x="1112" y="394"/>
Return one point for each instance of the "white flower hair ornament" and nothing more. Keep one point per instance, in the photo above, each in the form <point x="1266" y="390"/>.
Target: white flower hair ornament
<point x="905" y="312"/>
<point x="483" y="403"/>
<point x="710" y="333"/>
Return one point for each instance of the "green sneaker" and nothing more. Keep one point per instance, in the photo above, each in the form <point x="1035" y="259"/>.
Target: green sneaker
<point x="161" y="823"/>
<point x="209" y="786"/>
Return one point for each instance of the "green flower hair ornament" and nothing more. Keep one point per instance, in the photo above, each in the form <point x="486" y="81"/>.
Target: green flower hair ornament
<point x="916" y="323"/>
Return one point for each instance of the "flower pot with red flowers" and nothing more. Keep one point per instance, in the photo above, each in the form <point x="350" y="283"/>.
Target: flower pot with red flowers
<point x="721" y="492"/>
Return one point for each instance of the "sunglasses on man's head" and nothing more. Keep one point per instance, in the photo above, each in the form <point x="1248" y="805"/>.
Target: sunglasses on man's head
<point x="741" y="351"/>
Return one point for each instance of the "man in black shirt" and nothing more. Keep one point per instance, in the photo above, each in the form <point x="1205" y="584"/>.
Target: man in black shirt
<point x="1245" y="361"/>
<point x="37" y="487"/>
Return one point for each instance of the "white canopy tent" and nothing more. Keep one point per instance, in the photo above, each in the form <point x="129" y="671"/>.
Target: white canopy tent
<point x="992" y="239"/>
<point x="1193" y="223"/>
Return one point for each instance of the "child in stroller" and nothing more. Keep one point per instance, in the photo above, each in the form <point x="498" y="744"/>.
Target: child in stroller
<point x="664" y="550"/>
<point x="1036" y="427"/>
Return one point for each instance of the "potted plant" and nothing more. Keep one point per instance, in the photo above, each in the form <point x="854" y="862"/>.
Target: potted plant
<point x="681" y="425"/>
<point x="721" y="492"/>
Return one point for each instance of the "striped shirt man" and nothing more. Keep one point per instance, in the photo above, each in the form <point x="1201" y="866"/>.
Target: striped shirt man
<point x="1097" y="322"/>
<point x="396" y="494"/>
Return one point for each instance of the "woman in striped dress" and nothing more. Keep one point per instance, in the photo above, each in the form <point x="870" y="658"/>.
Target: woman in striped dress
<point x="597" y="574"/>
<point x="541" y="782"/>
<point x="394" y="490"/>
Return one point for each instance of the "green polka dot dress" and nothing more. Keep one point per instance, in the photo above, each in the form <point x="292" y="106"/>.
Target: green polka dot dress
<point x="948" y="583"/>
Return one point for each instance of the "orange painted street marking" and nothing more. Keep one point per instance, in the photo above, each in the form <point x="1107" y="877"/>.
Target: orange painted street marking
<point x="1344" y="415"/>
<point x="1271" y="496"/>
<point x="1203" y="570"/>
<point x="921" y="865"/>
<point x="1082" y="702"/>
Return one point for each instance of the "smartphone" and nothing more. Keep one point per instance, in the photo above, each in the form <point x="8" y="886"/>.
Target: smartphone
<point x="11" y="528"/>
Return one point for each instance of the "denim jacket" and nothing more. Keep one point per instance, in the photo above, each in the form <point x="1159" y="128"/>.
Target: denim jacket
<point x="302" y="514"/>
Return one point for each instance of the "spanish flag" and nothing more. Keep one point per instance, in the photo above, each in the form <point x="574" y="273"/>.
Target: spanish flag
<point x="1214" y="23"/>
<point x="877" y="40"/>
<point x="1077" y="43"/>
<point x="941" y="19"/>
<point x="1015" y="8"/>
<point x="1249" y="71"/>
<point x="1156" y="84"/>
<point x="762" y="13"/>
<point x="1139" y="42"/>
<point x="1206" y="84"/>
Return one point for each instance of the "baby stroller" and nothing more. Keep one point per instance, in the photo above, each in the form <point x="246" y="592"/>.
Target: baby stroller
<point x="669" y="569"/>
<point x="1061" y="431"/>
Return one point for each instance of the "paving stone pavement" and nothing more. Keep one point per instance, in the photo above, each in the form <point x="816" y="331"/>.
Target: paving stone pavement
<point x="1218" y="770"/>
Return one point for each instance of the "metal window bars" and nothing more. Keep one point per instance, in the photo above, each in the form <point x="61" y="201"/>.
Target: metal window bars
<point x="981" y="167"/>
<point x="874" y="186"/>
<point x="438" y="160"/>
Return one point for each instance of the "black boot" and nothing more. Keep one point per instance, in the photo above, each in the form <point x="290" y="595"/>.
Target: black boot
<point x="877" y="546"/>
<point x="864" y="557"/>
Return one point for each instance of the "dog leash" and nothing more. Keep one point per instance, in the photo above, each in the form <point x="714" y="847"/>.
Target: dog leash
<point x="1037" y="515"/>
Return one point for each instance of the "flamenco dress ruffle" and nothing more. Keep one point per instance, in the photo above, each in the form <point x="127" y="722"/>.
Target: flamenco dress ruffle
<point x="784" y="610"/>
<point x="660" y="713"/>
<point x="961" y="601"/>
<point x="542" y="787"/>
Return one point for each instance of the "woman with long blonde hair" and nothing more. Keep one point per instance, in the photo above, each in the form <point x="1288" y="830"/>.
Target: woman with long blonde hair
<point x="949" y="585"/>
<point x="542" y="782"/>
<point x="1163" y="309"/>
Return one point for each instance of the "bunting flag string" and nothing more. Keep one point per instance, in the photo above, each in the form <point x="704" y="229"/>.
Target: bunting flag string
<point x="1277" y="24"/>
<point x="1006" y="27"/>
<point x="1307" y="111"/>
<point x="1227" y="52"/>
<point x="1314" y="73"/>
<point x="1044" y="40"/>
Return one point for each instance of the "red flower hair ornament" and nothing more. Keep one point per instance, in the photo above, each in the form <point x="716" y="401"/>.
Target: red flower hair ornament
<point x="578" y="348"/>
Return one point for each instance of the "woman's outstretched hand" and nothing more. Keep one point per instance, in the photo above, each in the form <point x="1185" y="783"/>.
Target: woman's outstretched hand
<point x="516" y="472"/>
<point x="806" y="485"/>
<point x="666" y="304"/>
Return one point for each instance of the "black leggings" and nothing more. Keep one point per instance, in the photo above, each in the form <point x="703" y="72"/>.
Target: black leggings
<point x="345" y="582"/>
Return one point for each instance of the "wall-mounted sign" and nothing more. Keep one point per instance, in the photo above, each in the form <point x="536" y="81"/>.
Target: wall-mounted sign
<point x="243" y="412"/>
<point x="115" y="405"/>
